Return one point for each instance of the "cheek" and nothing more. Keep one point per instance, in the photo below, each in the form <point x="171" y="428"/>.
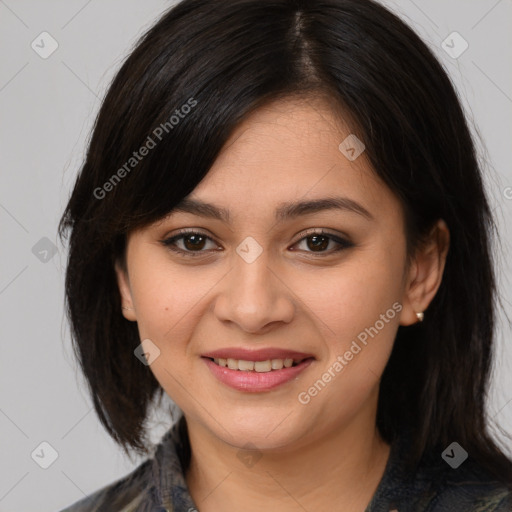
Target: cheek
<point x="167" y="299"/>
<point x="358" y="306"/>
<point x="168" y="304"/>
<point x="351" y="297"/>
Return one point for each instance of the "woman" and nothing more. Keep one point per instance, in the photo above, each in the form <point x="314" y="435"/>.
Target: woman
<point x="281" y="225"/>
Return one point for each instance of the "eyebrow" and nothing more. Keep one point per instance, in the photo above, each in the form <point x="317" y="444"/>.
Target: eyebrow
<point x="283" y="212"/>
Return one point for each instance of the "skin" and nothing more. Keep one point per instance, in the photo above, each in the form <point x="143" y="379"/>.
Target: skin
<point x="294" y="296"/>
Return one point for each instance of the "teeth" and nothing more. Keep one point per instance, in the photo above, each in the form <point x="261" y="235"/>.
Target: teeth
<point x="246" y="365"/>
<point x="262" y="366"/>
<point x="257" y="366"/>
<point x="277" y="364"/>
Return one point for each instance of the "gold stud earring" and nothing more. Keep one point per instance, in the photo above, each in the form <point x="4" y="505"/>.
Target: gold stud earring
<point x="420" y="316"/>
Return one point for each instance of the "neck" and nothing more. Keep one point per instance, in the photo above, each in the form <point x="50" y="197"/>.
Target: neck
<point x="342" y="465"/>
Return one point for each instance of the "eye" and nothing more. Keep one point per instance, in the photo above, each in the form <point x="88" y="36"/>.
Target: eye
<point x="194" y="242"/>
<point x="319" y="240"/>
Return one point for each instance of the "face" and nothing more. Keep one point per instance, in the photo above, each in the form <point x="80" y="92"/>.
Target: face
<point x="272" y="282"/>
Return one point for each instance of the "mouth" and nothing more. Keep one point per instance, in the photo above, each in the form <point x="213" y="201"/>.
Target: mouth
<point x="256" y="371"/>
<point x="265" y="366"/>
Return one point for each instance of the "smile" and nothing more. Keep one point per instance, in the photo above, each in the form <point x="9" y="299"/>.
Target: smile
<point x="256" y="376"/>
<point x="256" y="366"/>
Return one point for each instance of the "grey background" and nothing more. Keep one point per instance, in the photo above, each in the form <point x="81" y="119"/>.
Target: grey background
<point x="47" y="108"/>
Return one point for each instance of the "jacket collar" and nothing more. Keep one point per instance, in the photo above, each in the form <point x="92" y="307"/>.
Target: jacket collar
<point x="169" y="465"/>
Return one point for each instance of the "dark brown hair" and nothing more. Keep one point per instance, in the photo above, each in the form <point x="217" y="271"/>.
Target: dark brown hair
<point x="230" y="58"/>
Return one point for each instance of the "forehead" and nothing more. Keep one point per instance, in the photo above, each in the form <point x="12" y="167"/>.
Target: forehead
<point x="290" y="150"/>
<point x="298" y="126"/>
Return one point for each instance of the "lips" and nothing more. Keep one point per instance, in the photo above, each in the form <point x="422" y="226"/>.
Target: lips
<point x="256" y="370"/>
<point x="257" y="355"/>
<point x="255" y="382"/>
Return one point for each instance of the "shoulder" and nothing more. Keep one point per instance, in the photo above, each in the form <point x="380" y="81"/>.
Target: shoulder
<point x="470" y="488"/>
<point x="123" y="495"/>
<point x="437" y="486"/>
<point x="157" y="484"/>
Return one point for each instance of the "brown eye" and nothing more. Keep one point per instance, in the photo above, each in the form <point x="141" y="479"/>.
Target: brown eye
<point x="318" y="242"/>
<point x="193" y="243"/>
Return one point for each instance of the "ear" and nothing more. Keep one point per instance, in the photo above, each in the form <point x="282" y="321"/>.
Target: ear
<point x="425" y="273"/>
<point x="123" y="283"/>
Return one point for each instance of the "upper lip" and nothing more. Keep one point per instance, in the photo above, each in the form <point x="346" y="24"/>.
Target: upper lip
<point x="262" y="354"/>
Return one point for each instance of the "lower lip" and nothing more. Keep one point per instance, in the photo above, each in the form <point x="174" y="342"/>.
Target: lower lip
<point x="252" y="381"/>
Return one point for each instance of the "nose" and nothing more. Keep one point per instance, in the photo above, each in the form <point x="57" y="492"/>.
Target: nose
<point x="254" y="296"/>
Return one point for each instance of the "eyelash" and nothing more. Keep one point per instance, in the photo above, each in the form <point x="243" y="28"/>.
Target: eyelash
<point x="170" y="242"/>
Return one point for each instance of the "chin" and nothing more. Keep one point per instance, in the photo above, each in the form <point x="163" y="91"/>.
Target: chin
<point x="263" y="431"/>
